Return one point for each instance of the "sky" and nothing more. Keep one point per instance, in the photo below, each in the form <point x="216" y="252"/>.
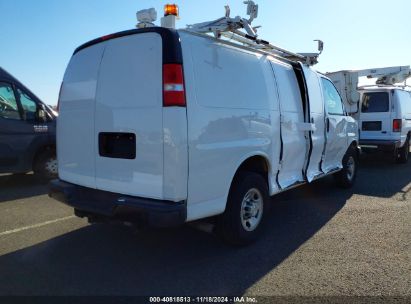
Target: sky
<point x="39" y="36"/>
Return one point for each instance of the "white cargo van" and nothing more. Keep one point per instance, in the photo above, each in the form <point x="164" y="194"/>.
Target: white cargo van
<point x="166" y="127"/>
<point x="383" y="110"/>
<point x="385" y="120"/>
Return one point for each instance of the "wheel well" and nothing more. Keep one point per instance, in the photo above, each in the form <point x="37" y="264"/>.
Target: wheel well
<point x="257" y="164"/>
<point x="41" y="150"/>
<point x="408" y="137"/>
<point x="354" y="145"/>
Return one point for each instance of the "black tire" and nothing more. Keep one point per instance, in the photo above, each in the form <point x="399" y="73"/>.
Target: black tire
<point x="403" y="153"/>
<point x="45" y="165"/>
<point x="345" y="178"/>
<point x="241" y="212"/>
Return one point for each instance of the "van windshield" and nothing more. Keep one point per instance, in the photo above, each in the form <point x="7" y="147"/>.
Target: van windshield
<point x="375" y="102"/>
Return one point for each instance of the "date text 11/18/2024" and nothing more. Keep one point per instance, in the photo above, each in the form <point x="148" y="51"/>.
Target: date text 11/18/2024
<point x="203" y="300"/>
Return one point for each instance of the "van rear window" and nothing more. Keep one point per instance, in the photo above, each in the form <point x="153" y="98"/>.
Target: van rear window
<point x="375" y="102"/>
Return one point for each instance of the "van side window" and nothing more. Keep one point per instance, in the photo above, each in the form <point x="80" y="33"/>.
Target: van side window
<point x="375" y="102"/>
<point x="29" y="106"/>
<point x="333" y="102"/>
<point x="8" y="103"/>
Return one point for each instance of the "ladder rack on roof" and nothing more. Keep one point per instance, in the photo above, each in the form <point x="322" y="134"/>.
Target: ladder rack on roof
<point x="230" y="28"/>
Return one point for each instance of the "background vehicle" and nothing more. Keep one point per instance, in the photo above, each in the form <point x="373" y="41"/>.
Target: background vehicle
<point x="178" y="126"/>
<point x="27" y="130"/>
<point x="383" y="110"/>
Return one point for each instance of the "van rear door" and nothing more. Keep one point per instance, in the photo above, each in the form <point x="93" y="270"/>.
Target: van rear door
<point x="110" y="129"/>
<point x="128" y="133"/>
<point x="75" y="125"/>
<point x="375" y="117"/>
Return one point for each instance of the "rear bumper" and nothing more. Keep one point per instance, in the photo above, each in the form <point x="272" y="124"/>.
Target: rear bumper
<point x="102" y="205"/>
<point x="384" y="145"/>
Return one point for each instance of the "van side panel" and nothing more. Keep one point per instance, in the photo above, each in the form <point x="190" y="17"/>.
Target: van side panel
<point x="292" y="122"/>
<point x="175" y="154"/>
<point x="129" y="101"/>
<point x="232" y="108"/>
<point x="336" y="127"/>
<point x="402" y="110"/>
<point x="75" y="124"/>
<point x="318" y="120"/>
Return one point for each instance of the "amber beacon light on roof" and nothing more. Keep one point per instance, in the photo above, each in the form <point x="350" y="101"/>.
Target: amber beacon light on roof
<point x="147" y="17"/>
<point x="171" y="9"/>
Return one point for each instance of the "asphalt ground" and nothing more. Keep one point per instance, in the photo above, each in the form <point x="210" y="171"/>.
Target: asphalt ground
<point x="320" y="241"/>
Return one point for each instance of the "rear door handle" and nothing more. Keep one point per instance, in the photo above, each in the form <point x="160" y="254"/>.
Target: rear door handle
<point x="327" y="122"/>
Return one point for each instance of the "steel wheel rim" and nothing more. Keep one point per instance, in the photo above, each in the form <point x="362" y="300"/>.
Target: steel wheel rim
<point x="251" y="209"/>
<point x="51" y="165"/>
<point x="350" y="168"/>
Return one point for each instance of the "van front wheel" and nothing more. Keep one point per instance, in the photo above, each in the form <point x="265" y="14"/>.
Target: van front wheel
<point x="345" y="178"/>
<point x="242" y="221"/>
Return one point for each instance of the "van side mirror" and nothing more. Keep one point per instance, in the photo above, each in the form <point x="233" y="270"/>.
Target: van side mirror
<point x="41" y="115"/>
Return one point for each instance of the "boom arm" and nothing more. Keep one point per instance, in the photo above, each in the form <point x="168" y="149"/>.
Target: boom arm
<point x="387" y="76"/>
<point x="346" y="82"/>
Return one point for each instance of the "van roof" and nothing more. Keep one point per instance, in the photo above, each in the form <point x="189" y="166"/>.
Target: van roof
<point x="172" y="51"/>
<point x="171" y="42"/>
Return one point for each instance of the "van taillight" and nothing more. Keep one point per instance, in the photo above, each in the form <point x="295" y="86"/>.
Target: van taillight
<point x="173" y="85"/>
<point x="58" y="101"/>
<point x="396" y="125"/>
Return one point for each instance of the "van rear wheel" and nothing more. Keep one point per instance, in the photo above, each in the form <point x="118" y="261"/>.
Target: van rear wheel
<point x="403" y="153"/>
<point x="243" y="219"/>
<point x="345" y="178"/>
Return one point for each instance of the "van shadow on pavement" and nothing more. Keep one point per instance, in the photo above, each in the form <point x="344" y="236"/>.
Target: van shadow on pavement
<point x="19" y="186"/>
<point x="380" y="176"/>
<point x="111" y="260"/>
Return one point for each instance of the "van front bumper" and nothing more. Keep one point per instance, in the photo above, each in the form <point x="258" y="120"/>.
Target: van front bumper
<point x="98" y="205"/>
<point x="383" y="145"/>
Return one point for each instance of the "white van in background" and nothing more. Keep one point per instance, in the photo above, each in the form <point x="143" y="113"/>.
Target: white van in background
<point x="383" y="111"/>
<point x="165" y="127"/>
<point x="385" y="120"/>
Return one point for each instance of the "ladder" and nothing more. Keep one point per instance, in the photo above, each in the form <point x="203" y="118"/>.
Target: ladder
<point x="231" y="28"/>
